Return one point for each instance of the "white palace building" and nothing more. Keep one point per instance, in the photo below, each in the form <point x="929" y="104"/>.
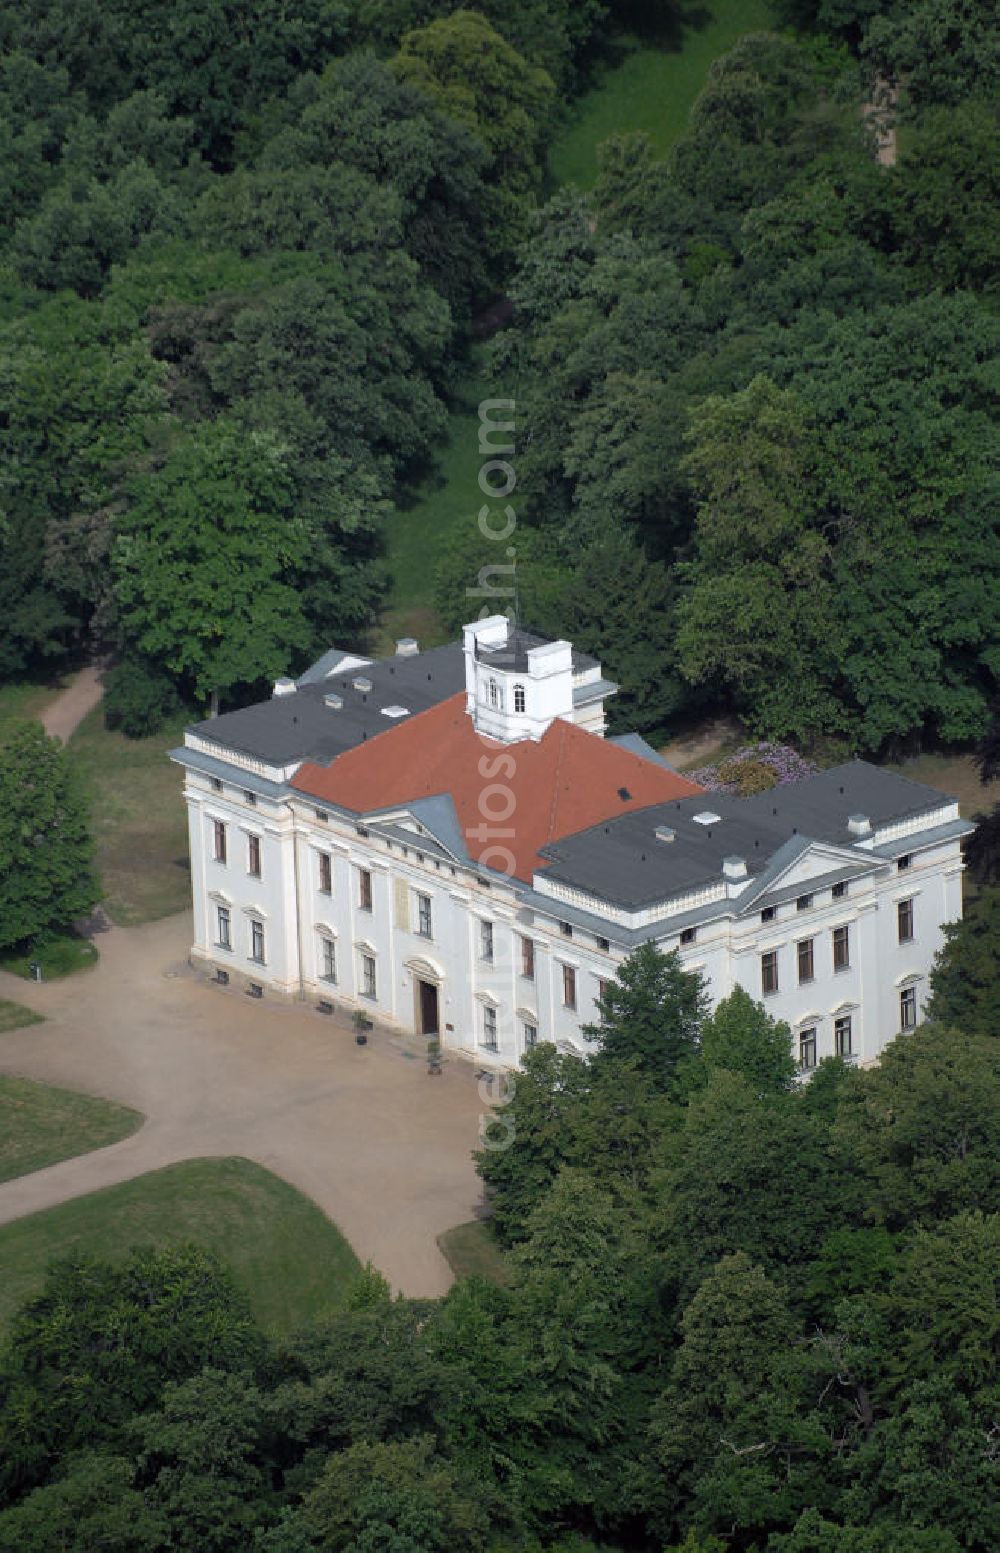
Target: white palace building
<point x="447" y="841"/>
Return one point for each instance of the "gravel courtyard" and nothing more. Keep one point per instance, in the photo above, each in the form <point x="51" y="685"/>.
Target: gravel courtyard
<point x="380" y="1146"/>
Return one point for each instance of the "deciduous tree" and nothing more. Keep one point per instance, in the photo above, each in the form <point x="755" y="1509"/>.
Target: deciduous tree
<point x="46" y="850"/>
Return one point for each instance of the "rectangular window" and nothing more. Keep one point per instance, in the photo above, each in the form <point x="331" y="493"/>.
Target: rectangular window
<point x="688" y="935"/>
<point x="804" y="951"/>
<point x="842" y="1035"/>
<point x="530" y="1036"/>
<point x="486" y="941"/>
<point x="368" y="985"/>
<point x="527" y="959"/>
<point x="250" y="798"/>
<point x="566" y="929"/>
<point x="424" y="916"/>
<point x="322" y="816"/>
<point x="217" y="784"/>
<point x="602" y="989"/>
<point x="257" y="942"/>
<point x="603" y="943"/>
<point x="225" y="928"/>
<point x="769" y="913"/>
<point x="841" y="948"/>
<point x="904" y="920"/>
<point x="769" y="972"/>
<point x="328" y="958"/>
<point x="908" y="1008"/>
<point x="489" y="1027"/>
<point x="364" y="889"/>
<point x="253" y="856"/>
<point x="839" y="890"/>
<point x="325" y="873"/>
<point x="219" y="835"/>
<point x="807" y="1049"/>
<point x="903" y="863"/>
<point x="803" y="903"/>
<point x="569" y="986"/>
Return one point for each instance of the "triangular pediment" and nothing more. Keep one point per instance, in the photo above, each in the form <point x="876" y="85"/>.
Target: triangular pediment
<point x="433" y="818"/>
<point x="802" y="863"/>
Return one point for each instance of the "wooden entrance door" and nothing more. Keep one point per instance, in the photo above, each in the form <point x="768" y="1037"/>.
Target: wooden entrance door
<point x="428" y="1008"/>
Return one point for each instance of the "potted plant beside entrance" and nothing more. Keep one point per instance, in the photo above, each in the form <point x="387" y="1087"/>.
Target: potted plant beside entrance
<point x="362" y="1025"/>
<point x="434" y="1054"/>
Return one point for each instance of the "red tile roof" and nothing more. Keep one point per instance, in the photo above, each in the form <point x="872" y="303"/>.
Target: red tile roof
<point x="510" y="799"/>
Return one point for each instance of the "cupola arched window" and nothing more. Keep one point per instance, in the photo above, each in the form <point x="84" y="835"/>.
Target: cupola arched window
<point x="519" y="698"/>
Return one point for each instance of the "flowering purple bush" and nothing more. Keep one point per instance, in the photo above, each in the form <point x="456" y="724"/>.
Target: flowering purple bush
<point x="753" y="769"/>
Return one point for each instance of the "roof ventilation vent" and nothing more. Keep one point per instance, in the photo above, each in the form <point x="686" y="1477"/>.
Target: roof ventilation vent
<point x="859" y="825"/>
<point x="407" y="647"/>
<point x="706" y="817"/>
<point x="284" y="686"/>
<point x="333" y="701"/>
<point x="395" y="711"/>
<point x="734" y="867"/>
<point x="664" y="833"/>
<point x="624" y="794"/>
<point x="362" y="683"/>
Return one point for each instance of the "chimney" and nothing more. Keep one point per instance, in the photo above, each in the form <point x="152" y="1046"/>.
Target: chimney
<point x="407" y="647"/>
<point x="734" y="867"/>
<point x="284" y="686"/>
<point x="859" y="825"/>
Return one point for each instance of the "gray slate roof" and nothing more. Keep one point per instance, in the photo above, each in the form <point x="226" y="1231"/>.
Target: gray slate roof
<point x="623" y="862"/>
<point x="302" y="727"/>
<point x="513" y="656"/>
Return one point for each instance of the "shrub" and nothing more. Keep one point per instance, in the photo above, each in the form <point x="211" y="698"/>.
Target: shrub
<point x="139" y="698"/>
<point x="754" y="769"/>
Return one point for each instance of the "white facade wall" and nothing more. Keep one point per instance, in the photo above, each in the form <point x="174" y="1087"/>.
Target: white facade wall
<point x="268" y="899"/>
<point x="297" y="916"/>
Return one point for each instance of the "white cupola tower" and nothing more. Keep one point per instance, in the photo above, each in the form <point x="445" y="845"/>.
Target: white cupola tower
<point x="516" y="684"/>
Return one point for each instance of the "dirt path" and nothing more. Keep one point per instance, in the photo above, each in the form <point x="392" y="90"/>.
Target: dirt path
<point x="700" y="744"/>
<point x="383" y="1149"/>
<point x="66" y="712"/>
<point x="881" y="112"/>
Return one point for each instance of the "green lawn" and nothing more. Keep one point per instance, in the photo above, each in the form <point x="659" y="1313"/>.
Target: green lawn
<point x="423" y="522"/>
<point x="651" y="88"/>
<point x="14" y="1016"/>
<point x="40" y="1124"/>
<point x="20" y="701"/>
<point x="139" y="818"/>
<point x="472" y="1252"/>
<point x="291" y="1261"/>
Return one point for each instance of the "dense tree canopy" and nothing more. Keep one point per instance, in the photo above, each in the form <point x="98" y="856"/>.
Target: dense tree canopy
<point x="746" y="1316"/>
<point x="769" y="359"/>
<point x="46" y="852"/>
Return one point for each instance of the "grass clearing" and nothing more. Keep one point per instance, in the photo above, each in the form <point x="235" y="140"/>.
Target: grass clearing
<point x="291" y="1262"/>
<point x="651" y="86"/>
<point x="61" y="955"/>
<point x="472" y="1251"/>
<point x="18" y="702"/>
<point x="139" y="819"/>
<point x="424" y="521"/>
<point x="14" y="1016"/>
<point x="41" y="1124"/>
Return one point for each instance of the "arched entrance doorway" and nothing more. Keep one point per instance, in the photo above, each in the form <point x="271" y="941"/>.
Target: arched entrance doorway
<point x="427" y="980"/>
